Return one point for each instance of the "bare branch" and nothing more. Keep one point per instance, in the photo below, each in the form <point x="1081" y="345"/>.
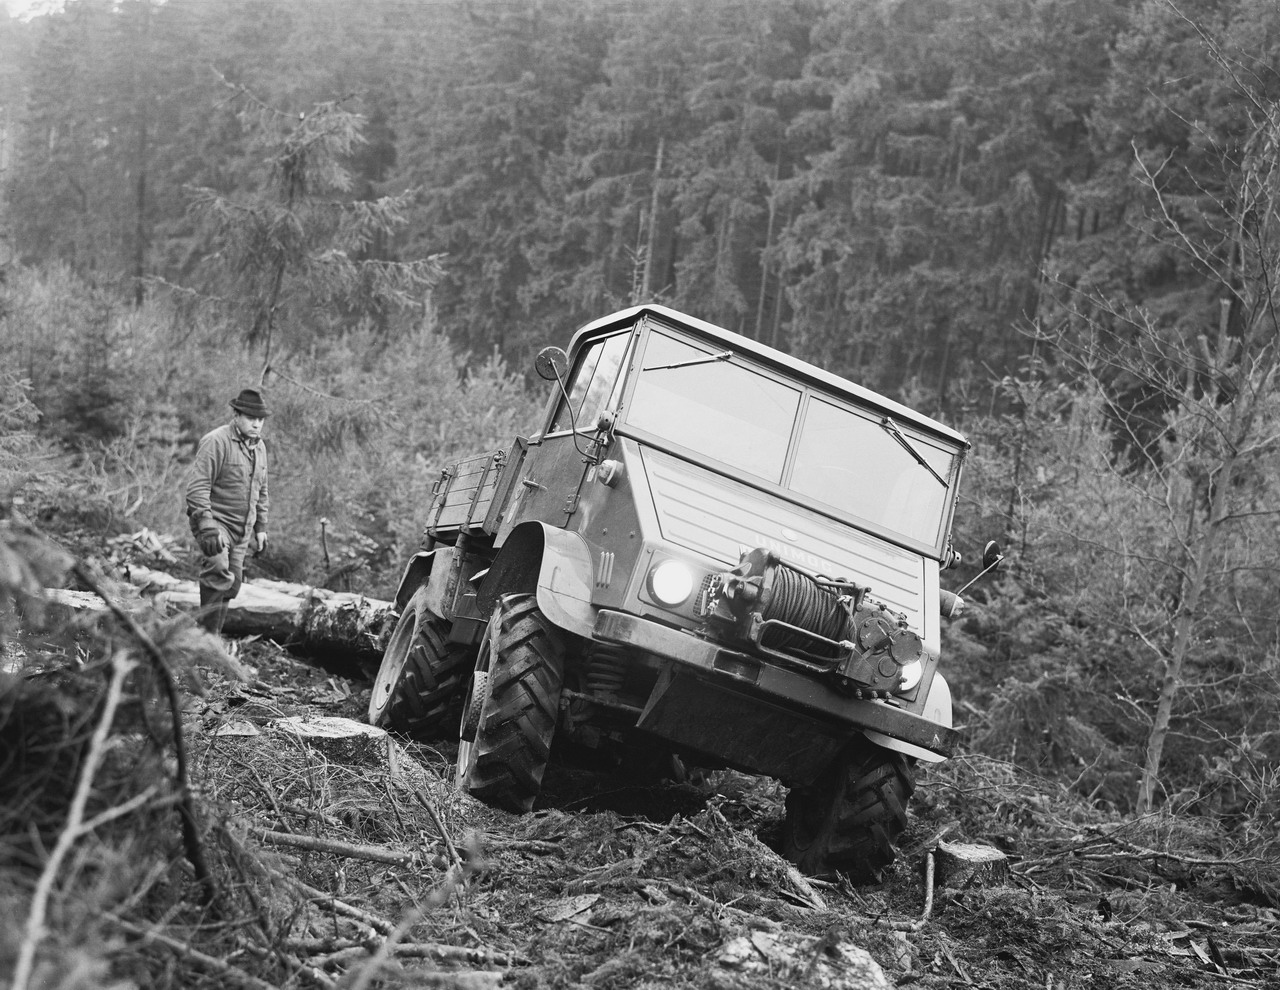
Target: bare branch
<point x="218" y="967"/>
<point x="75" y="827"/>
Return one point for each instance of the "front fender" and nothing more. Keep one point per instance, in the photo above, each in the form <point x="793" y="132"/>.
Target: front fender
<point x="415" y="574"/>
<point x="551" y="563"/>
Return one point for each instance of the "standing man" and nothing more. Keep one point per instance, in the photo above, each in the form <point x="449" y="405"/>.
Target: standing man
<point x="227" y="504"/>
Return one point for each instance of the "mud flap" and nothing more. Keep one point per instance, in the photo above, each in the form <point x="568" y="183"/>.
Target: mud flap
<point x="937" y="709"/>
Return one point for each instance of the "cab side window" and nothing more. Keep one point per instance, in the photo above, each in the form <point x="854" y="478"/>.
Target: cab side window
<point x="593" y="383"/>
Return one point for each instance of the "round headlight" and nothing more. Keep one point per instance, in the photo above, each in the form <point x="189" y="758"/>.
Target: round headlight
<point x="671" y="583"/>
<point x="911" y="674"/>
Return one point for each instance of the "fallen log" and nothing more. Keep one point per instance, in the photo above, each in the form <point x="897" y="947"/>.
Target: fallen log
<point x="294" y="614"/>
<point x="313" y="620"/>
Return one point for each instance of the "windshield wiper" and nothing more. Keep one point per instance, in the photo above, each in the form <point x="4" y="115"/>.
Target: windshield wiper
<point x="723" y="356"/>
<point x="891" y="428"/>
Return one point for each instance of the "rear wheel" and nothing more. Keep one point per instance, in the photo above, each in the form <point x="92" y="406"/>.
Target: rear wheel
<point x="421" y="674"/>
<point x="847" y="820"/>
<point x="518" y="701"/>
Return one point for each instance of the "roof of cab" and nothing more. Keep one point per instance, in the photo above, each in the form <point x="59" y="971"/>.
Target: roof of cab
<point x="770" y="355"/>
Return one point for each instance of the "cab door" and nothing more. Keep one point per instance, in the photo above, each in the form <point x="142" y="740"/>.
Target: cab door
<point x="555" y="467"/>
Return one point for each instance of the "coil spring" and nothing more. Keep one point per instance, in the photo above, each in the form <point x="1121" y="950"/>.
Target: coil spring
<point x="797" y="601"/>
<point x="606" y="669"/>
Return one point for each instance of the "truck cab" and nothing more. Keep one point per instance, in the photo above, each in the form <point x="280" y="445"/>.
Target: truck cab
<point x="709" y="549"/>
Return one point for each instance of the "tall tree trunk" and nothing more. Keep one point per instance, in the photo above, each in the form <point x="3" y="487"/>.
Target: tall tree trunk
<point x="779" y="290"/>
<point x="142" y="96"/>
<point x="650" y="246"/>
<point x="768" y="243"/>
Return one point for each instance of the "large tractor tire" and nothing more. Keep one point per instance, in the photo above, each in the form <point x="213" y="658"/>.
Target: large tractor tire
<point x="420" y="676"/>
<point x="847" y="820"/>
<point x="517" y="697"/>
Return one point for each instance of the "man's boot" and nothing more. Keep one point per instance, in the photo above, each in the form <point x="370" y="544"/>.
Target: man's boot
<point x="210" y="605"/>
<point x="225" y="601"/>
<point x="220" y="616"/>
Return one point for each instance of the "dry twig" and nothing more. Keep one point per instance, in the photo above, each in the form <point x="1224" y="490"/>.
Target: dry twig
<point x="190" y="827"/>
<point x="538" y="847"/>
<point x="702" y="900"/>
<point x="335" y="949"/>
<point x="342" y="907"/>
<point x="439" y="896"/>
<point x="376" y="854"/>
<point x="76" y="825"/>
<point x="444" y="833"/>
<point x="218" y="966"/>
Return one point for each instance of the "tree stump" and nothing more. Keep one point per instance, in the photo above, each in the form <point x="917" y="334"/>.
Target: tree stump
<point x="965" y="864"/>
<point x="342" y="740"/>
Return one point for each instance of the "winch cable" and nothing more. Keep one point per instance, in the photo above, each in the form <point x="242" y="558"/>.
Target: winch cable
<point x="798" y="601"/>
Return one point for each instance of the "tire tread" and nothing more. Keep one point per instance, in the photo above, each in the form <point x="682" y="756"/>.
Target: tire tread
<point x="513" y="742"/>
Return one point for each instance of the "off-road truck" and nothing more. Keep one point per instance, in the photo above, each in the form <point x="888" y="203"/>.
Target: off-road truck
<point x="711" y="550"/>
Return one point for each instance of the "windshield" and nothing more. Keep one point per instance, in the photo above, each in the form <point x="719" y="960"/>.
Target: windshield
<point x="714" y="407"/>
<point x="851" y="459"/>
<point x="848" y="459"/>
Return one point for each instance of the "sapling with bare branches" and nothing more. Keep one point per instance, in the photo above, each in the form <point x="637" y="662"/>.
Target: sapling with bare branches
<point x="1197" y="464"/>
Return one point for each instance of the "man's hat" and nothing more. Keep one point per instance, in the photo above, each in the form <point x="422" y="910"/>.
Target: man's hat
<point x="249" y="403"/>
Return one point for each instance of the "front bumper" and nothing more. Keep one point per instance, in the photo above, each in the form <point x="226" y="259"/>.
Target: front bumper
<point x="751" y="714"/>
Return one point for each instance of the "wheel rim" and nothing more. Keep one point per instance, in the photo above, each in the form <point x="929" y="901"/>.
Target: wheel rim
<point x="466" y="742"/>
<point x="464" y="762"/>
<point x="393" y="661"/>
<point x="472" y="706"/>
<point x="474" y="700"/>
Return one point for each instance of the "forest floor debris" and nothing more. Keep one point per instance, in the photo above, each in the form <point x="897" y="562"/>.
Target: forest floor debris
<point x="353" y="872"/>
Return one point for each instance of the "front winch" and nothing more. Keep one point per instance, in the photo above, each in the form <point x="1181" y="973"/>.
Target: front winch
<point x="824" y="624"/>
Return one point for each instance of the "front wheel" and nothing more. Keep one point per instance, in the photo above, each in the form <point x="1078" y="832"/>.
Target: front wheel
<point x="847" y="820"/>
<point x="420" y="675"/>
<point x="513" y="707"/>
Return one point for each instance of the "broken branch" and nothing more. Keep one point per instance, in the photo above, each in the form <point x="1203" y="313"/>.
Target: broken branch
<point x="376" y="854"/>
<point x="342" y="907"/>
<point x="186" y="807"/>
<point x="415" y="950"/>
<point x="213" y="965"/>
<point x="75" y="827"/>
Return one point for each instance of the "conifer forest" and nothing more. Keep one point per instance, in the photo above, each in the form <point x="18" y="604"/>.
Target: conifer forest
<point x="1052" y="225"/>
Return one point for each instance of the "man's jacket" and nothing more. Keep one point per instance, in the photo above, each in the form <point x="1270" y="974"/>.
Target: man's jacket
<point x="228" y="484"/>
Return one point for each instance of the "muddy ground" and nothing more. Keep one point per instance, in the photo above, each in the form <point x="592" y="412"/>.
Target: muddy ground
<point x="613" y="883"/>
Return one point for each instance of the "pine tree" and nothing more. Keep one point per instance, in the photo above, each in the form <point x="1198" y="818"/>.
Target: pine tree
<point x="284" y="257"/>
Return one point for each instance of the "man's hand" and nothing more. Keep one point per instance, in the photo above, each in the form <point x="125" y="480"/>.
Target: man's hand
<point x="211" y="542"/>
<point x="259" y="542"/>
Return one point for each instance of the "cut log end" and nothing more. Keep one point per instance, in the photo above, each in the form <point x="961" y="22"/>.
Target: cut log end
<point x="342" y="740"/>
<point x="965" y="864"/>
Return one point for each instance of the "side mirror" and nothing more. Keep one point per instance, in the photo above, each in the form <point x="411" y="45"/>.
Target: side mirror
<point x="552" y="363"/>
<point x="991" y="557"/>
